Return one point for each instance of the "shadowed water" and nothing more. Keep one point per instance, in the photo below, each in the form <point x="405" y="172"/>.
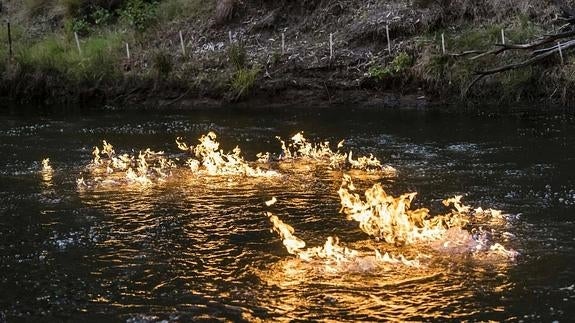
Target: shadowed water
<point x="199" y="247"/>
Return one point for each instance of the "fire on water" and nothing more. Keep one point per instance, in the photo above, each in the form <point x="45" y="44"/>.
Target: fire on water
<point x="390" y="220"/>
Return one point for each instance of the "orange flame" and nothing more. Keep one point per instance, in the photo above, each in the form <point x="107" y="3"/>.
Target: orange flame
<point x="332" y="250"/>
<point x="300" y="148"/>
<point x="391" y="219"/>
<point x="109" y="168"/>
<point x="47" y="170"/>
<point x="216" y="162"/>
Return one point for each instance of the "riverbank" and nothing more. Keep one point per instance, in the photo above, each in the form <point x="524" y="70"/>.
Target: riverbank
<point x="178" y="54"/>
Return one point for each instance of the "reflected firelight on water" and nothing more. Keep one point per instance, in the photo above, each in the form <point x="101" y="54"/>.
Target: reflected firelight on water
<point x="408" y="250"/>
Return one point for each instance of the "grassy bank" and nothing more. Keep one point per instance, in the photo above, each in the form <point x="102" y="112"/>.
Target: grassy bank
<point x="47" y="65"/>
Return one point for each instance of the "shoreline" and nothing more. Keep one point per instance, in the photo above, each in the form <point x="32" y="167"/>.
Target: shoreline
<point x="281" y="55"/>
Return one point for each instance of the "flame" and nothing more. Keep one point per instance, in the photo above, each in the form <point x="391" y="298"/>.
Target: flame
<point x="272" y="201"/>
<point x="299" y="148"/>
<point x="216" y="162"/>
<point x="390" y="219"/>
<point x="47" y="170"/>
<point x="332" y="250"/>
<point x="263" y="158"/>
<point x="109" y="168"/>
<point x="46" y="165"/>
<point x="292" y="243"/>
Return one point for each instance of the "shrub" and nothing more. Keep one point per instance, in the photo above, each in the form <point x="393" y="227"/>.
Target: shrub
<point x="169" y="10"/>
<point x="72" y="7"/>
<point x="100" y="58"/>
<point x="79" y="26"/>
<point x="36" y="7"/>
<point x="101" y="16"/>
<point x="138" y="14"/>
<point x="237" y="55"/>
<point x="243" y="81"/>
<point x="398" y="65"/>
<point x="162" y="63"/>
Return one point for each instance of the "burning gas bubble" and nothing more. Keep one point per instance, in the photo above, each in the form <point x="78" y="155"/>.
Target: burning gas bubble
<point x="109" y="168"/>
<point x="216" y="162"/>
<point x="333" y="252"/>
<point x="299" y="148"/>
<point x="46" y="165"/>
<point x="390" y="219"/>
<point x="47" y="170"/>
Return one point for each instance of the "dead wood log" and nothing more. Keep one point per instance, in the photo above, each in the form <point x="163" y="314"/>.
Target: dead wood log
<point x="538" y="51"/>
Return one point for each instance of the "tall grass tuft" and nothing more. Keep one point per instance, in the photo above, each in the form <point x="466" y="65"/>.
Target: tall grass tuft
<point x="237" y="55"/>
<point x="162" y="63"/>
<point x="169" y="10"/>
<point x="243" y="81"/>
<point x="37" y="7"/>
<point x="100" y="58"/>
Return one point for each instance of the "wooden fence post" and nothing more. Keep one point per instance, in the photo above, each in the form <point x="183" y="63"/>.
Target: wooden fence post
<point x="9" y="39"/>
<point x="560" y="53"/>
<point x="388" y="39"/>
<point x="78" y="43"/>
<point x="182" y="42"/>
<point x="443" y="44"/>
<point x="283" y="43"/>
<point x="330" y="46"/>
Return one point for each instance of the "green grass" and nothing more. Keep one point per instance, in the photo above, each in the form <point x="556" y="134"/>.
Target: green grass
<point x="100" y="57"/>
<point x="399" y="65"/>
<point x="37" y="7"/>
<point x="169" y="10"/>
<point x="237" y="56"/>
<point x="453" y="74"/>
<point x="243" y="81"/>
<point x="162" y="63"/>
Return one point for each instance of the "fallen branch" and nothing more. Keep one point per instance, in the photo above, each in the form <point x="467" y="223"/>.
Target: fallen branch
<point x="538" y="54"/>
<point x="537" y="58"/>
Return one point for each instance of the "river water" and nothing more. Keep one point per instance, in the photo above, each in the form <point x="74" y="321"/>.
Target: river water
<point x="200" y="248"/>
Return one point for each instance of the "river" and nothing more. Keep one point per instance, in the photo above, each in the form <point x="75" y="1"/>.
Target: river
<point x="197" y="247"/>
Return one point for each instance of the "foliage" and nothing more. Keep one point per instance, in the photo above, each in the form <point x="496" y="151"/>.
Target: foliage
<point x="162" y="63"/>
<point x="72" y="7"/>
<point x="169" y="10"/>
<point x="99" y="59"/>
<point x="244" y="80"/>
<point x="398" y="65"/>
<point x="138" y="14"/>
<point x="237" y="55"/>
<point x="78" y="25"/>
<point x="101" y="16"/>
<point x="82" y="15"/>
<point x="36" y="7"/>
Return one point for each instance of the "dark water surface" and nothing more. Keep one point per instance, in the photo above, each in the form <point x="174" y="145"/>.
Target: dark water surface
<point x="200" y="248"/>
